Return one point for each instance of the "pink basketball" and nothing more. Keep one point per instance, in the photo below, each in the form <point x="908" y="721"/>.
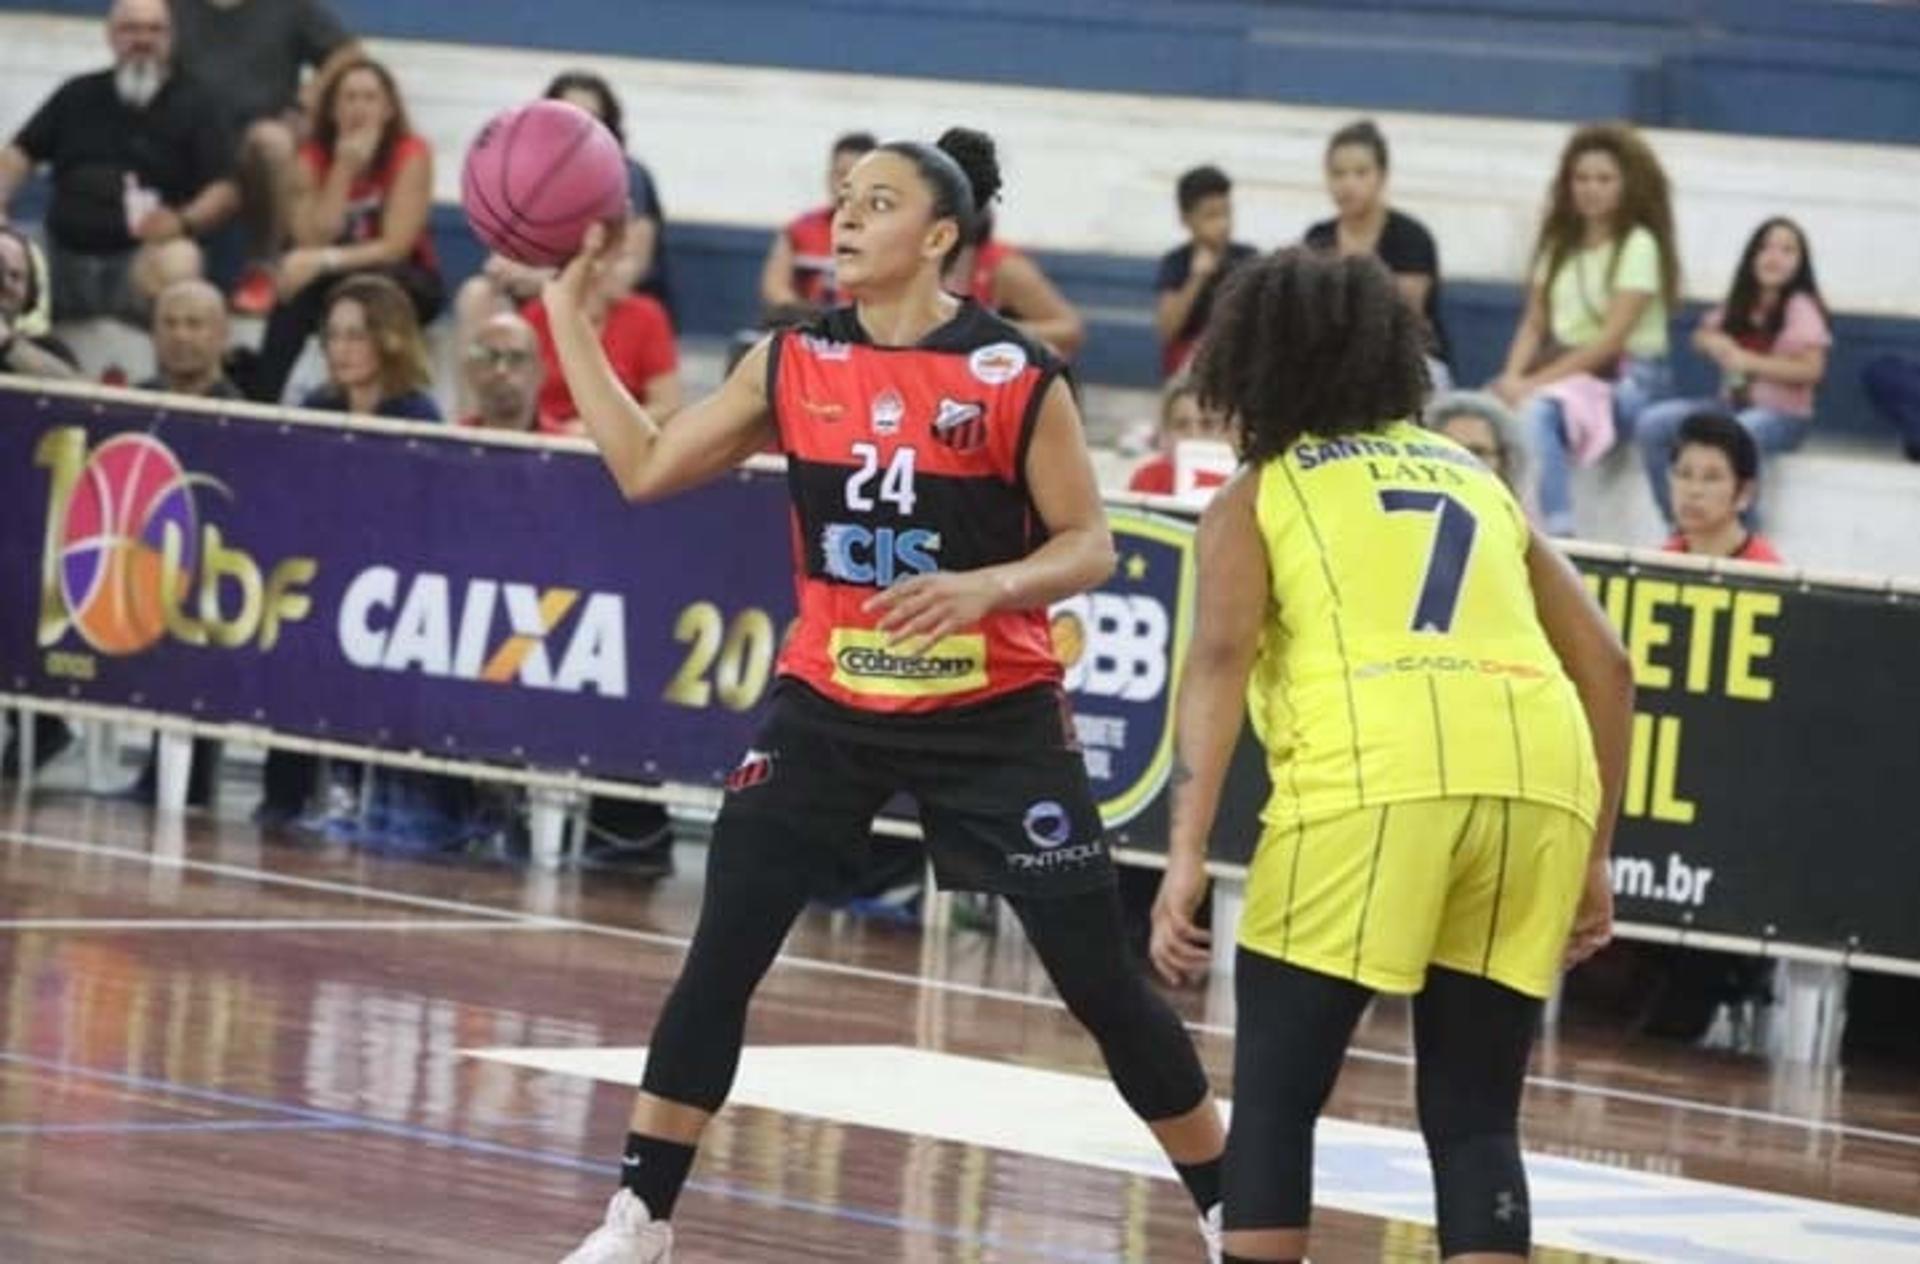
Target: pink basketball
<point x="537" y="176"/>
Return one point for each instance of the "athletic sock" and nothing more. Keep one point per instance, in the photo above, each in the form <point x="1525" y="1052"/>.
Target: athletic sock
<point x="1202" y="1181"/>
<point x="655" y="1170"/>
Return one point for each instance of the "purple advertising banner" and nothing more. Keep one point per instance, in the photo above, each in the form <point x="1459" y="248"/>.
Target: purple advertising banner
<point x="408" y="590"/>
<point x="457" y="598"/>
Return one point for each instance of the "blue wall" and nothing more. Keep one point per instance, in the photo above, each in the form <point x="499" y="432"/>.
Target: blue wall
<point x="1822" y="68"/>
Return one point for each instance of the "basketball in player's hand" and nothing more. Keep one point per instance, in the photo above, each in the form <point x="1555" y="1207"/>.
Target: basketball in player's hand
<point x="537" y="176"/>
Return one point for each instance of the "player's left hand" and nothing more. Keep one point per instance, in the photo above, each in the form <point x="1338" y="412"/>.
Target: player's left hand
<point x="1180" y="950"/>
<point x="918" y="613"/>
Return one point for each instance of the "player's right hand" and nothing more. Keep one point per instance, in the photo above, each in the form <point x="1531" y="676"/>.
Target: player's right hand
<point x="1593" y="920"/>
<point x="1180" y="951"/>
<point x="569" y="292"/>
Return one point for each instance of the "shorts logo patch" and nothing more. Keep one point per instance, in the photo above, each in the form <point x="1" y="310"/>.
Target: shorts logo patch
<point x="1048" y="825"/>
<point x="961" y="424"/>
<point x="755" y="769"/>
<point x="998" y="363"/>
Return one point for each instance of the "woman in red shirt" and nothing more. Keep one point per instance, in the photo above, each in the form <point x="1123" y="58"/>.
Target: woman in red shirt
<point x="363" y="189"/>
<point x="1003" y="278"/>
<point x="799" y="266"/>
<point x="637" y="336"/>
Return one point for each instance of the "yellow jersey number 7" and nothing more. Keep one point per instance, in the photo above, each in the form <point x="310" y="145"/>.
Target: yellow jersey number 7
<point x="1453" y="538"/>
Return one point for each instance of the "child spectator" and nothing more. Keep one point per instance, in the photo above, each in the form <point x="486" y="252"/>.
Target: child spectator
<point x="1181" y="419"/>
<point x="1770" y="341"/>
<point x="1190" y="276"/>
<point x="1713" y="477"/>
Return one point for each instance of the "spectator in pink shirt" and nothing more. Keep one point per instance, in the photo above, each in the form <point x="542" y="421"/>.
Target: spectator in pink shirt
<point x="1770" y="340"/>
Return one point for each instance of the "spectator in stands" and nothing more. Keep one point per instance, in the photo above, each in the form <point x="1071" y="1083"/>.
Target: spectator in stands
<point x="1770" y="341"/>
<point x="249" y="55"/>
<point x="23" y="307"/>
<point x="1190" y="276"/>
<point x="643" y="261"/>
<point x="140" y="161"/>
<point x="1590" y="352"/>
<point x="504" y="375"/>
<point x="376" y="358"/>
<point x="1892" y="383"/>
<point x="503" y="285"/>
<point x="376" y="367"/>
<point x="1714" y="475"/>
<point x="362" y="193"/>
<point x="25" y="349"/>
<point x="1002" y="279"/>
<point x="1356" y="165"/>
<point x="799" y="266"/>
<point x="189" y="350"/>
<point x="190" y="342"/>
<point x="1484" y="426"/>
<point x="1181" y="418"/>
<point x="639" y="342"/>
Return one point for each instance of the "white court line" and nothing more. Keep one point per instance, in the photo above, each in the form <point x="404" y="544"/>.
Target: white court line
<point x="679" y="942"/>
<point x="229" y="924"/>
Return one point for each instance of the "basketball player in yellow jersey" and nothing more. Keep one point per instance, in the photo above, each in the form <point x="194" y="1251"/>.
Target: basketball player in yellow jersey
<point x="1446" y="717"/>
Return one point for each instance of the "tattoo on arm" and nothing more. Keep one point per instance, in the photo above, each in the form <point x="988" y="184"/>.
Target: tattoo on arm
<point x="1181" y="773"/>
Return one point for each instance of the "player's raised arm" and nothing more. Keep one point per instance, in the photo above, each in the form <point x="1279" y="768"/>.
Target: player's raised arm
<point x="650" y="460"/>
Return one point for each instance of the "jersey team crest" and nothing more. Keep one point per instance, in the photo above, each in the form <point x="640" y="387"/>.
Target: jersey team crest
<point x="960" y="424"/>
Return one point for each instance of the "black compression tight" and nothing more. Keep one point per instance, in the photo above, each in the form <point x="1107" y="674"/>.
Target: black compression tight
<point x="1472" y="1038"/>
<point x="745" y="916"/>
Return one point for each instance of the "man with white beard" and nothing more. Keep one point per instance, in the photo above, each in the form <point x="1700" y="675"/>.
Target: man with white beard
<point x="141" y="161"/>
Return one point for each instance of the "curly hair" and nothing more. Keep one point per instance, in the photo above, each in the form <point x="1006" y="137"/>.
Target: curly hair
<point x="1307" y="343"/>
<point x="1645" y="202"/>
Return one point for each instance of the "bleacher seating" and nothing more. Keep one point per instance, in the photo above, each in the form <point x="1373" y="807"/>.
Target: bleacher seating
<point x="709" y="88"/>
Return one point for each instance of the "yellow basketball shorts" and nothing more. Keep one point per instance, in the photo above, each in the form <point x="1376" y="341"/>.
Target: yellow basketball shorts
<point x="1483" y="886"/>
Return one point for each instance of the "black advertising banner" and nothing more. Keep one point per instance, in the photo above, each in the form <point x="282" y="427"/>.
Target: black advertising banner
<point x="1776" y="743"/>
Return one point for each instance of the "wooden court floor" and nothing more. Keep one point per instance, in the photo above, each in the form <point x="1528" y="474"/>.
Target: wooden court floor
<point x="220" y="1046"/>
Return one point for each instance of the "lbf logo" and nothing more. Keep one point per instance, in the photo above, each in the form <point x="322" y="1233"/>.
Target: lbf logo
<point x="128" y="561"/>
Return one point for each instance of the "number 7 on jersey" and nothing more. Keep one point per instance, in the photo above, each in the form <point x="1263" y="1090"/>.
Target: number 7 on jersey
<point x="1447" y="564"/>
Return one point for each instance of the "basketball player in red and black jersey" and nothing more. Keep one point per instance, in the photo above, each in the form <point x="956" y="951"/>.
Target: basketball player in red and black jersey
<point x="942" y="499"/>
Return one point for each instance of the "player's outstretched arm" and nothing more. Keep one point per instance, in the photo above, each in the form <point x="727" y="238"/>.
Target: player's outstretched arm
<point x="647" y="459"/>
<point x="1230" y="613"/>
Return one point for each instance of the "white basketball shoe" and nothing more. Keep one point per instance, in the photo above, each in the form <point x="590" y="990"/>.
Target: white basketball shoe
<point x="629" y="1236"/>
